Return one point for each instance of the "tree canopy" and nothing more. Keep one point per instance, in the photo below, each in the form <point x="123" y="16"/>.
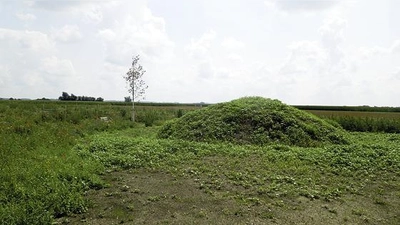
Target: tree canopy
<point x="66" y="97"/>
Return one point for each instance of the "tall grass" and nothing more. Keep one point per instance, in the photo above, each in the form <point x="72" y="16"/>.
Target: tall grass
<point x="41" y="176"/>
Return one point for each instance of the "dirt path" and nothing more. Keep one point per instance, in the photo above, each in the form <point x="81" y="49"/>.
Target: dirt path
<point x="155" y="197"/>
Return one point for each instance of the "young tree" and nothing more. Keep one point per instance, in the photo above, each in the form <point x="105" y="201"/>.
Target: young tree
<point x="136" y="85"/>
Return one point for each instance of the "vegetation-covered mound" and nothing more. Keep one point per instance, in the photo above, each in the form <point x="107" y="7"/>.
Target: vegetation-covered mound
<point x="253" y="120"/>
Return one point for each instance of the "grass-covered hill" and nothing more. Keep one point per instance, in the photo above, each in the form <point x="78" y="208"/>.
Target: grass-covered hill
<point x="253" y="120"/>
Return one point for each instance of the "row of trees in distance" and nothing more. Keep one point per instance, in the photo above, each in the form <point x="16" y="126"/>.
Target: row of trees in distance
<point x="66" y="97"/>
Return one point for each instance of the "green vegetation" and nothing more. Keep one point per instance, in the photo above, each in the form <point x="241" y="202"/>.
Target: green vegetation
<point x="294" y="169"/>
<point x="41" y="176"/>
<point x="348" y="108"/>
<point x="251" y="182"/>
<point x="388" y="122"/>
<point x="59" y="162"/>
<point x="66" y="97"/>
<point x="253" y="120"/>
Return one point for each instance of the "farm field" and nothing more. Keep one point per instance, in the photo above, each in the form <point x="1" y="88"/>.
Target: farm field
<point x="60" y="164"/>
<point x="371" y="115"/>
<point x="365" y="121"/>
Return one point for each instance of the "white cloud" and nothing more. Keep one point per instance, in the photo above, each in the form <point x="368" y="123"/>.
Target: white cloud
<point x="68" y="33"/>
<point x="206" y="70"/>
<point x="332" y="35"/>
<point x="107" y="35"/>
<point x="395" y="48"/>
<point x="93" y="14"/>
<point x="369" y="52"/>
<point x="301" y="5"/>
<point x="235" y="58"/>
<point x="57" y="5"/>
<point x="33" y="40"/>
<point x="232" y="44"/>
<point x="73" y="5"/>
<point x="32" y="63"/>
<point x="25" y="16"/>
<point x="306" y="57"/>
<point x="140" y="33"/>
<point x="20" y="53"/>
<point x="396" y="74"/>
<point x="270" y="4"/>
<point x="198" y="48"/>
<point x="4" y="76"/>
<point x="57" y="67"/>
<point x="377" y="51"/>
<point x="89" y="11"/>
<point x="205" y="64"/>
<point x="332" y="31"/>
<point x="312" y="67"/>
<point x="281" y="52"/>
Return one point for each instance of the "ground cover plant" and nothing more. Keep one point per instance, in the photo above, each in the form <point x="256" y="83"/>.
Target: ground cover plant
<point x="60" y="163"/>
<point x="253" y="120"/>
<point x="178" y="181"/>
<point x="41" y="177"/>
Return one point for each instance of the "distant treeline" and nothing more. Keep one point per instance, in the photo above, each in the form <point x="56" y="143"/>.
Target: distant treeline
<point x="66" y="97"/>
<point x="349" y="108"/>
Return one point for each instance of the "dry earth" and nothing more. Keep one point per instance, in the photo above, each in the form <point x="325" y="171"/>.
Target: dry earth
<point x="156" y="197"/>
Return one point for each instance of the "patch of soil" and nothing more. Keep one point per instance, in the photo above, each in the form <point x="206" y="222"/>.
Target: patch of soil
<point x="156" y="197"/>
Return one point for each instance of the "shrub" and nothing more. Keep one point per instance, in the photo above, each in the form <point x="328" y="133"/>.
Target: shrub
<point x="253" y="120"/>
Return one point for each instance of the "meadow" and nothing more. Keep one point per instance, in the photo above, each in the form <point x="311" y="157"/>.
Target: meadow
<point x="41" y="176"/>
<point x="61" y="164"/>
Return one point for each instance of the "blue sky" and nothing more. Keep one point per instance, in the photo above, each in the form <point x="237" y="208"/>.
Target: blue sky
<point x="313" y="52"/>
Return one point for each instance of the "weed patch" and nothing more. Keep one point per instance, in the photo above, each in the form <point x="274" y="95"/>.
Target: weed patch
<point x="41" y="175"/>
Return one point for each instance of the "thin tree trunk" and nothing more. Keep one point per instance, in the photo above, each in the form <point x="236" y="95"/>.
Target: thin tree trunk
<point x="133" y="108"/>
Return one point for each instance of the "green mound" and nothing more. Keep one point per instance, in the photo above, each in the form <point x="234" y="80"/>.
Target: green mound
<point x="253" y="120"/>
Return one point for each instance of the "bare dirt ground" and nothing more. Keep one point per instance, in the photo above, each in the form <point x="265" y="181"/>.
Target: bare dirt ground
<point x="156" y="197"/>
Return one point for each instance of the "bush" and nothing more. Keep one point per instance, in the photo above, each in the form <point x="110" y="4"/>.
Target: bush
<point x="253" y="120"/>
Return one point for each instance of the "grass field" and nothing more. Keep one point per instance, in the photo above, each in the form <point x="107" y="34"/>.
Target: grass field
<point x="61" y="164"/>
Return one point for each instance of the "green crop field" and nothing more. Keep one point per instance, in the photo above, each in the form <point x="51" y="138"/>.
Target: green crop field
<point x="364" y="121"/>
<point x="61" y="164"/>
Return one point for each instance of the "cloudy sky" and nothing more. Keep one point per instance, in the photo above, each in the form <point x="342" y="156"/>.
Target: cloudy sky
<point x="306" y="52"/>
